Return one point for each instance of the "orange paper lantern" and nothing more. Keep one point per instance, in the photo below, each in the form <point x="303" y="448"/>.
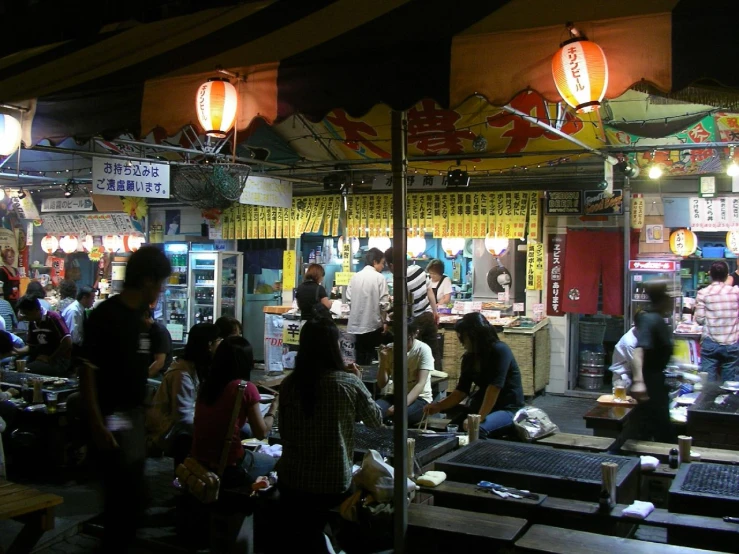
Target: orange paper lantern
<point x="683" y="242"/>
<point x="580" y="72"/>
<point x="215" y="105"/>
<point x="112" y="243"/>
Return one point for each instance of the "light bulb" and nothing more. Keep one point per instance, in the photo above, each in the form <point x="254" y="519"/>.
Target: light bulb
<point x="732" y="170"/>
<point x="655" y="172"/>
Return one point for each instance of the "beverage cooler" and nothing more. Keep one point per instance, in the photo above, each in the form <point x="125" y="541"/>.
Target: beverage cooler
<point x="643" y="271"/>
<point x="215" y="286"/>
<point x="173" y="303"/>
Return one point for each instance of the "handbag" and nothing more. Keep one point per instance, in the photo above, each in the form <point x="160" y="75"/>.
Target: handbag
<point x="198" y="479"/>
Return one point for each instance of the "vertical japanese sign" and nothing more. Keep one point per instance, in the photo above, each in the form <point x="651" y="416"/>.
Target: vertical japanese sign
<point x="637" y="211"/>
<point x="534" y="215"/>
<point x="535" y="266"/>
<point x="288" y="270"/>
<point x="555" y="274"/>
<point x="116" y="177"/>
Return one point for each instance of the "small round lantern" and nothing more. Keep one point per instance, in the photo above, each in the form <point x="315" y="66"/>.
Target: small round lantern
<point x="383" y="243"/>
<point x="452" y="246"/>
<point x="497" y="246"/>
<point x="732" y="241"/>
<point x="68" y="244"/>
<point x="683" y="242"/>
<point x="416" y="246"/>
<point x="49" y="244"/>
<point x="133" y="242"/>
<point x="580" y="72"/>
<point x="87" y="243"/>
<point x="112" y="243"/>
<point x="10" y="134"/>
<point x="215" y="105"/>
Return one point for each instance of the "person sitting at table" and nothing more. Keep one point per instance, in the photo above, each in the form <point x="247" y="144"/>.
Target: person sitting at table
<point x="67" y="295"/>
<point x="36" y="290"/>
<point x="311" y="292"/>
<point x="232" y="364"/>
<point x="7" y="314"/>
<point x="321" y="400"/>
<point x="488" y="363"/>
<point x="440" y="283"/>
<point x="169" y="421"/>
<point x="420" y="364"/>
<point x="49" y="341"/>
<point x="229" y="327"/>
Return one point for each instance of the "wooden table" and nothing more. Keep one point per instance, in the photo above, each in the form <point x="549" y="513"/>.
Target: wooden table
<point x="369" y="378"/>
<point x="263" y="379"/>
<point x="33" y="508"/>
<point x="608" y="421"/>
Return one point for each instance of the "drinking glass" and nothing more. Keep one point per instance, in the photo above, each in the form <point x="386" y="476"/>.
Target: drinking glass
<point x="452" y="428"/>
<point x="51" y="402"/>
<point x="619" y="393"/>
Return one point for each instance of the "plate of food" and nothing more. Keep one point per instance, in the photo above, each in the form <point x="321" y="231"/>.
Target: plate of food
<point x="732" y="386"/>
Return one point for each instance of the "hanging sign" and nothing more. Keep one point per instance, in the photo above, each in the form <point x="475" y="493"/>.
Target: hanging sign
<point x="714" y="214"/>
<point x="264" y="191"/>
<point x="707" y="187"/>
<point x="93" y="224"/>
<point x="74" y="204"/>
<point x="25" y="207"/>
<point x="288" y="270"/>
<point x="118" y="177"/>
<point x="601" y="202"/>
<point x="534" y="266"/>
<point x="637" y="211"/>
<point x="564" y="202"/>
<point x="291" y="331"/>
<point x="555" y="274"/>
<point x="342" y="278"/>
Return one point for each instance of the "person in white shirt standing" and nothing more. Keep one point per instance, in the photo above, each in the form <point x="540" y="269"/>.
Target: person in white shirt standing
<point x="368" y="294"/>
<point x="74" y="315"/>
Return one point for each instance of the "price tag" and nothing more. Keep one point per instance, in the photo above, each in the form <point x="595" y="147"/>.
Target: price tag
<point x="495" y="314"/>
<point x="342" y="278"/>
<point x="518" y="307"/>
<point x="501" y="297"/>
<point x="538" y="308"/>
<point x="477" y="306"/>
<point x="458" y="307"/>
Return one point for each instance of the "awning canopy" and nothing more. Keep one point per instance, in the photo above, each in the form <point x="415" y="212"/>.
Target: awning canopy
<point x="324" y="55"/>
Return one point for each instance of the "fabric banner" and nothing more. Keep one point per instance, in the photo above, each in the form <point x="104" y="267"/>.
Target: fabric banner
<point x="555" y="274"/>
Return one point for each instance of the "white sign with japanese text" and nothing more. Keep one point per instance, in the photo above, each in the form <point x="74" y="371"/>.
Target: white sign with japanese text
<point x="263" y="191"/>
<point x="25" y="207"/>
<point x="92" y="224"/>
<point x="119" y="177"/>
<point x="714" y="214"/>
<point x="67" y="204"/>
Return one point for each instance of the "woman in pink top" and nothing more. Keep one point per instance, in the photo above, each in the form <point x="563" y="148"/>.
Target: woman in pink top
<point x="232" y="363"/>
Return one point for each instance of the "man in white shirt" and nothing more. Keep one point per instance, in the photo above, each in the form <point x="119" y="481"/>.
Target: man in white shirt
<point x="623" y="355"/>
<point x="369" y="298"/>
<point x="420" y="364"/>
<point x="74" y="314"/>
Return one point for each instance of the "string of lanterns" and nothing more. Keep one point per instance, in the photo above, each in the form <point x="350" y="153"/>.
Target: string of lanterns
<point x="71" y="243"/>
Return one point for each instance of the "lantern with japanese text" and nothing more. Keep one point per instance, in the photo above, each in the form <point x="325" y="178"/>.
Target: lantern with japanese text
<point x="497" y="246"/>
<point x="87" y="243"/>
<point x="580" y="72"/>
<point x="112" y="243"/>
<point x="131" y="243"/>
<point x="49" y="244"/>
<point x="10" y="134"/>
<point x="416" y="246"/>
<point x="216" y="104"/>
<point x="683" y="242"/>
<point x="452" y="246"/>
<point x="68" y="244"/>
<point x="732" y="241"/>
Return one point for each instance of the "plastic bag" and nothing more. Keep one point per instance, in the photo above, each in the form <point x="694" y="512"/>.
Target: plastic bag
<point x="376" y="477"/>
<point x="532" y="423"/>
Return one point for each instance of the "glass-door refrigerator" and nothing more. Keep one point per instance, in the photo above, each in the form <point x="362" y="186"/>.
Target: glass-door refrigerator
<point x="215" y="286"/>
<point x="172" y="309"/>
<point x="643" y="271"/>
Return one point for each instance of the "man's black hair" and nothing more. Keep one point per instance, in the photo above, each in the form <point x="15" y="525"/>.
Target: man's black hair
<point x="374" y="256"/>
<point x="28" y="303"/>
<point x="147" y="263"/>
<point x="83" y="292"/>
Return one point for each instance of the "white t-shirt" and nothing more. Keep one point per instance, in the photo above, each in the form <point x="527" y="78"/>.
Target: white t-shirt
<point x="419" y="358"/>
<point x="623" y="354"/>
<point x="444" y="288"/>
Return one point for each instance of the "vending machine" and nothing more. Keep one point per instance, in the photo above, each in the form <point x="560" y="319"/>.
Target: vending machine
<point x="215" y="286"/>
<point x="643" y="271"/>
<point x="172" y="308"/>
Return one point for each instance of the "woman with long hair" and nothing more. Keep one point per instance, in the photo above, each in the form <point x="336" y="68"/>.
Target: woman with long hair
<point x="320" y="402"/>
<point x="232" y="363"/>
<point x="169" y="421"/>
<point x="488" y="365"/>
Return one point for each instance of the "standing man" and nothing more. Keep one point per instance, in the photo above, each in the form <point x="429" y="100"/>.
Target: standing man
<point x="651" y="356"/>
<point x="113" y="377"/>
<point x="48" y="340"/>
<point x="74" y="315"/>
<point x="422" y="302"/>
<point x="368" y="294"/>
<point x="717" y="309"/>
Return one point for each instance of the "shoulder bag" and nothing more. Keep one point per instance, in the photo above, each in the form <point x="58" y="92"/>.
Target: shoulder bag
<point x="199" y="480"/>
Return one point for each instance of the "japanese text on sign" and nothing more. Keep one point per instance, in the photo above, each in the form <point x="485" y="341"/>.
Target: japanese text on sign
<point x="66" y="204"/>
<point x="555" y="274"/>
<point x="564" y="202"/>
<point x="117" y="177"/>
<point x="263" y="191"/>
<point x="714" y="214"/>
<point x="288" y="270"/>
<point x="291" y="331"/>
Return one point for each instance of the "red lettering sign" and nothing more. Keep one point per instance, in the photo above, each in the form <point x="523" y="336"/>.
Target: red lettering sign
<point x="555" y="274"/>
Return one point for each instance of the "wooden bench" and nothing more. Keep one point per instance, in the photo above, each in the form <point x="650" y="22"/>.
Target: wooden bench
<point x="33" y="508"/>
<point x="578" y="442"/>
<point x="435" y="529"/>
<point x="543" y="538"/>
<point x="661" y="450"/>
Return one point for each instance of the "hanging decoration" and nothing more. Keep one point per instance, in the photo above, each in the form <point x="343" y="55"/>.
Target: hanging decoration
<point x="452" y="246"/>
<point x="49" y="244"/>
<point x="132" y="243"/>
<point x="580" y="72"/>
<point x="112" y="243"/>
<point x="215" y="105"/>
<point x="683" y="242"/>
<point x="497" y="246"/>
<point x="135" y="207"/>
<point x="95" y="254"/>
<point x="416" y="247"/>
<point x="732" y="241"/>
<point x="10" y="134"/>
<point x="68" y="244"/>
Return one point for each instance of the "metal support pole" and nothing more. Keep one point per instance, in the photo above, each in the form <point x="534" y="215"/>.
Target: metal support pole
<point x="627" y="250"/>
<point x="399" y="136"/>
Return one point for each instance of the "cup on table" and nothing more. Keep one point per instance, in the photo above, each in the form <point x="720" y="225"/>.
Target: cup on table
<point x="619" y="393"/>
<point x="20" y="366"/>
<point x="451" y="428"/>
<point x="51" y="402"/>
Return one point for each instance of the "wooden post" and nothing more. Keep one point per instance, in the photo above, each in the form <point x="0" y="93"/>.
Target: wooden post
<point x="399" y="134"/>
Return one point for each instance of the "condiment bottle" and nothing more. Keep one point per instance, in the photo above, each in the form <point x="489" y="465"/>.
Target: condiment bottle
<point x="673" y="459"/>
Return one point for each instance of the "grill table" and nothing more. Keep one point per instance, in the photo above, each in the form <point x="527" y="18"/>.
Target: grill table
<point x="559" y="473"/>
<point x="428" y="448"/>
<point x="705" y="490"/>
<point x="715" y="425"/>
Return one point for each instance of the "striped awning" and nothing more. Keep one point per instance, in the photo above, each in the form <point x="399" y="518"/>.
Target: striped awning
<point x="317" y="56"/>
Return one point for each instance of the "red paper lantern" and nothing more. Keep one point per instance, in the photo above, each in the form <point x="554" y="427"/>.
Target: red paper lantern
<point x="580" y="72"/>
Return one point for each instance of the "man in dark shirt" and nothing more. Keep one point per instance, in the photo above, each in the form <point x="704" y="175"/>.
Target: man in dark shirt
<point x="49" y="341"/>
<point x="113" y="377"/>
<point x="161" y="347"/>
<point x="651" y="356"/>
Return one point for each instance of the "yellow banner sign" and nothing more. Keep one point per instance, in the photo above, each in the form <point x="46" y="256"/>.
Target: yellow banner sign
<point x="342" y="278"/>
